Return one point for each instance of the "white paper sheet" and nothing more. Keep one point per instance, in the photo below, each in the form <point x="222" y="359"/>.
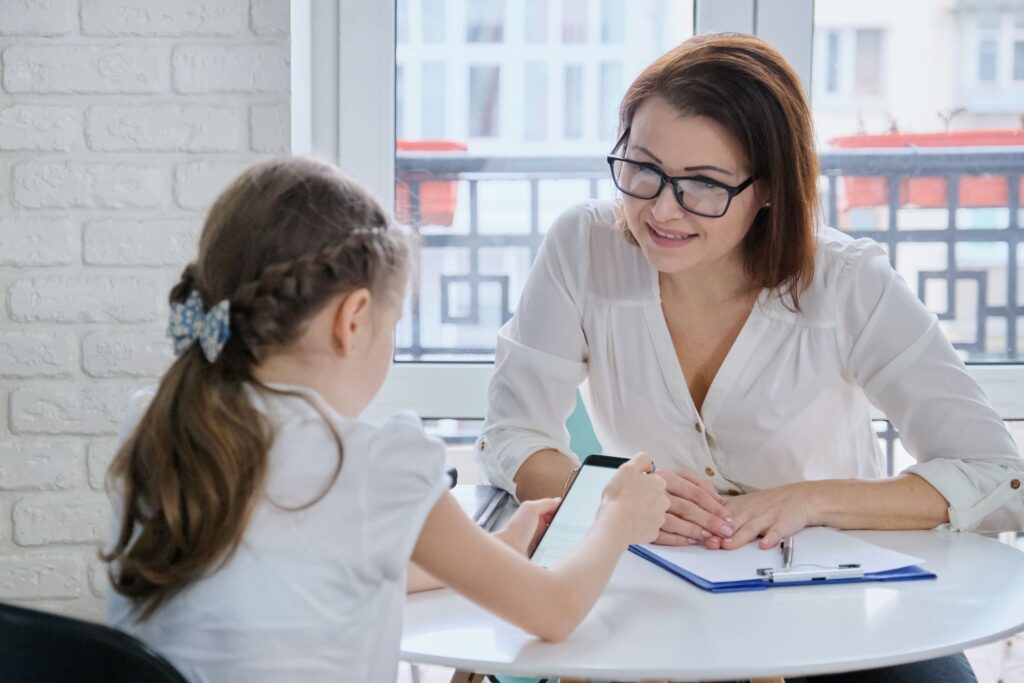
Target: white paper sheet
<point x="812" y="548"/>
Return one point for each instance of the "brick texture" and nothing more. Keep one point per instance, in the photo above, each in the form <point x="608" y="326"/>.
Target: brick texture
<point x="120" y="122"/>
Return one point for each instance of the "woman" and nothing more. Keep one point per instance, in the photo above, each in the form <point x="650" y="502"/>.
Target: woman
<point x="718" y="330"/>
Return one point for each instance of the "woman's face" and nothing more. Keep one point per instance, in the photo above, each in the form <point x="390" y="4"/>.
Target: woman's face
<point x="673" y="239"/>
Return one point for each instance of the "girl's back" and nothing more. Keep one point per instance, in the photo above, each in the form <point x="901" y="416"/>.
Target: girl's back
<point x="313" y="594"/>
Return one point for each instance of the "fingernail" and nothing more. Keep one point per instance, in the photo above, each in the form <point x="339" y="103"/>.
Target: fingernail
<point x="726" y="530"/>
<point x="705" y="534"/>
<point x="692" y="541"/>
<point x="730" y="520"/>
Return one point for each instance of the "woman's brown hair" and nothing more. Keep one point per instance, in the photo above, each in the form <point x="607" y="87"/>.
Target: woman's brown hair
<point x="278" y="244"/>
<point x="746" y="86"/>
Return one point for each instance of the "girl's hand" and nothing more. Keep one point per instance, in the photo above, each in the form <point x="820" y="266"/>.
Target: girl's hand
<point x="527" y="523"/>
<point x="636" y="500"/>
<point x="696" y="512"/>
<point x="773" y="514"/>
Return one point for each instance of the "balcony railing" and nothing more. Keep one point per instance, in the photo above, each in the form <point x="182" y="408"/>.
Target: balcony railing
<point x="866" y="193"/>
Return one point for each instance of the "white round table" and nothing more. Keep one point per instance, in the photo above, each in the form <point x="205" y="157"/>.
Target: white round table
<point x="650" y="624"/>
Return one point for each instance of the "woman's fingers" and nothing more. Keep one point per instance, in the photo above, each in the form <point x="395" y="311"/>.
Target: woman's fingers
<point x="747" y="533"/>
<point x="665" y="538"/>
<point x="712" y="524"/>
<point x="702" y="482"/>
<point x="683" y="527"/>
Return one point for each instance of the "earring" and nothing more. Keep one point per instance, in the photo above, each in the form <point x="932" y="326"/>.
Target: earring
<point x="767" y="203"/>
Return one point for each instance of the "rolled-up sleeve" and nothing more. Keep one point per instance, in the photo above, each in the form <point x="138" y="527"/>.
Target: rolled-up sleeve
<point x="540" y="359"/>
<point x="908" y="369"/>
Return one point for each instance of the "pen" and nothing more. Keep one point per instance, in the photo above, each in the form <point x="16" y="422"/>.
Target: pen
<point x="787" y="552"/>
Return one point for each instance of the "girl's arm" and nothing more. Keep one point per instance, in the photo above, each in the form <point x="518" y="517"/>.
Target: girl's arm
<point x="548" y="603"/>
<point x="521" y="533"/>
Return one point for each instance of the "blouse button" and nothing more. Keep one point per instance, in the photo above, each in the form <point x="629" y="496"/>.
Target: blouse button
<point x="1015" y="484"/>
<point x="699" y="427"/>
<point x="483" y="444"/>
<point x="708" y="471"/>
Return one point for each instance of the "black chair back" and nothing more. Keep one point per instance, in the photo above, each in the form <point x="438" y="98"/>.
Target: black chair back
<point x="39" y="647"/>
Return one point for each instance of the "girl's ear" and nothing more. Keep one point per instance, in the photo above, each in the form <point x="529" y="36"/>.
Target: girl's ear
<point x="352" y="322"/>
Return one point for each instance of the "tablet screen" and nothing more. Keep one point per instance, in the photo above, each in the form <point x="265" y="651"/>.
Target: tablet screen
<point x="575" y="516"/>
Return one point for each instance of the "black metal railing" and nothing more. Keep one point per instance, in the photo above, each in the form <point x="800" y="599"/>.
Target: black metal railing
<point x="893" y="167"/>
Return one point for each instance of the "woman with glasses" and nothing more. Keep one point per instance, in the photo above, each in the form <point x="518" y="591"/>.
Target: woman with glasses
<point x="714" y="325"/>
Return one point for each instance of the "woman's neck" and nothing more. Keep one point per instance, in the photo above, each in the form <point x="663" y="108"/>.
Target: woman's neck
<point x="709" y="285"/>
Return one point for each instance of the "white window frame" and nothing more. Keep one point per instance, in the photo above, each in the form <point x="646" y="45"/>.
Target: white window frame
<point x="348" y="47"/>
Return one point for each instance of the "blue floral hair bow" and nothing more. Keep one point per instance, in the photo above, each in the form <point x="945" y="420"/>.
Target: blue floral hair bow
<point x="189" y="322"/>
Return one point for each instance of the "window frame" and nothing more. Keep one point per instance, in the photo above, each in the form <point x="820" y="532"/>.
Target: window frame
<point x="344" y="47"/>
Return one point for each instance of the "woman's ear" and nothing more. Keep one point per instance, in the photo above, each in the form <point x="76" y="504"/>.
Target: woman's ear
<point x="352" y="322"/>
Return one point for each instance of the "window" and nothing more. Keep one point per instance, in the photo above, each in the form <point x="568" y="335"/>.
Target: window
<point x="530" y="120"/>
<point x="433" y="94"/>
<point x="484" y="100"/>
<point x="434" y="21"/>
<point x="536" y="22"/>
<point x="849" y="63"/>
<point x="484" y="21"/>
<point x="482" y="209"/>
<point x="949" y="233"/>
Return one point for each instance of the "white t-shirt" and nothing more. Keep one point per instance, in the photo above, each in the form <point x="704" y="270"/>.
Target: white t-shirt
<point x="313" y="595"/>
<point x="792" y="400"/>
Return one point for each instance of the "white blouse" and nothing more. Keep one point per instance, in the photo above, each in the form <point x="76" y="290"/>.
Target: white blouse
<point x="791" y="402"/>
<point x="312" y="595"/>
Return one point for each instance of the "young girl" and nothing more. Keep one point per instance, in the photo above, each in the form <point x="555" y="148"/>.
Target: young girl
<point x="263" y="531"/>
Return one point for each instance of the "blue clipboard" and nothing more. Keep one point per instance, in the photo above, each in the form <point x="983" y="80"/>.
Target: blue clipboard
<point x="909" y="573"/>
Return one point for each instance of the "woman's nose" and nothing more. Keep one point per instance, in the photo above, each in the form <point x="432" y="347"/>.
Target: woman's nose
<point x="666" y="207"/>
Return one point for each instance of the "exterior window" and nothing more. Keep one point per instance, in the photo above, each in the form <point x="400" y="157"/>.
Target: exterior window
<point x="503" y="138"/>
<point x="433" y="21"/>
<point x="484" y="94"/>
<point x="535" y="102"/>
<point x="572" y="106"/>
<point x="867" y="79"/>
<point x="433" y="96"/>
<point x="613" y="21"/>
<point x="574" y="21"/>
<point x="484" y="21"/>
<point x="535" y="25"/>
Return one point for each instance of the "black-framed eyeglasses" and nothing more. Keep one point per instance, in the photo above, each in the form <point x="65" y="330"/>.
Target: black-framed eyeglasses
<point x="697" y="194"/>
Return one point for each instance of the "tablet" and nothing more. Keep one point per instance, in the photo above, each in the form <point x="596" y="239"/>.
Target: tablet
<point x="578" y="509"/>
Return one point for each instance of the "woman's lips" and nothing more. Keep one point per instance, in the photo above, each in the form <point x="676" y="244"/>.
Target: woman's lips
<point x="666" y="238"/>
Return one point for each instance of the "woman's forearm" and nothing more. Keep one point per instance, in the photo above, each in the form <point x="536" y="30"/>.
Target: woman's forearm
<point x="543" y="475"/>
<point x="902" y="502"/>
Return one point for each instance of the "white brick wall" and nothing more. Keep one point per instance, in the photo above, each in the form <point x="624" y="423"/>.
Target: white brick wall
<point x="120" y="121"/>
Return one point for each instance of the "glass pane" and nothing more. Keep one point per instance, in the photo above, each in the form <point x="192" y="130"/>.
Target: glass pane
<point x="613" y="21"/>
<point x="535" y="102"/>
<point x="481" y="168"/>
<point x="574" y="21"/>
<point x="611" y="88"/>
<point x="888" y="92"/>
<point x="867" y="78"/>
<point x="484" y="92"/>
<point x="400" y="102"/>
<point x="433" y="21"/>
<point x="832" y="66"/>
<point x="536" y="21"/>
<point x="987" y="60"/>
<point x="484" y="21"/>
<point x="433" y="92"/>
<point x="572" y="103"/>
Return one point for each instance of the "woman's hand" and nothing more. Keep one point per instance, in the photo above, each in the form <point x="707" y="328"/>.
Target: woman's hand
<point x="773" y="514"/>
<point x="696" y="512"/>
<point x="527" y="523"/>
